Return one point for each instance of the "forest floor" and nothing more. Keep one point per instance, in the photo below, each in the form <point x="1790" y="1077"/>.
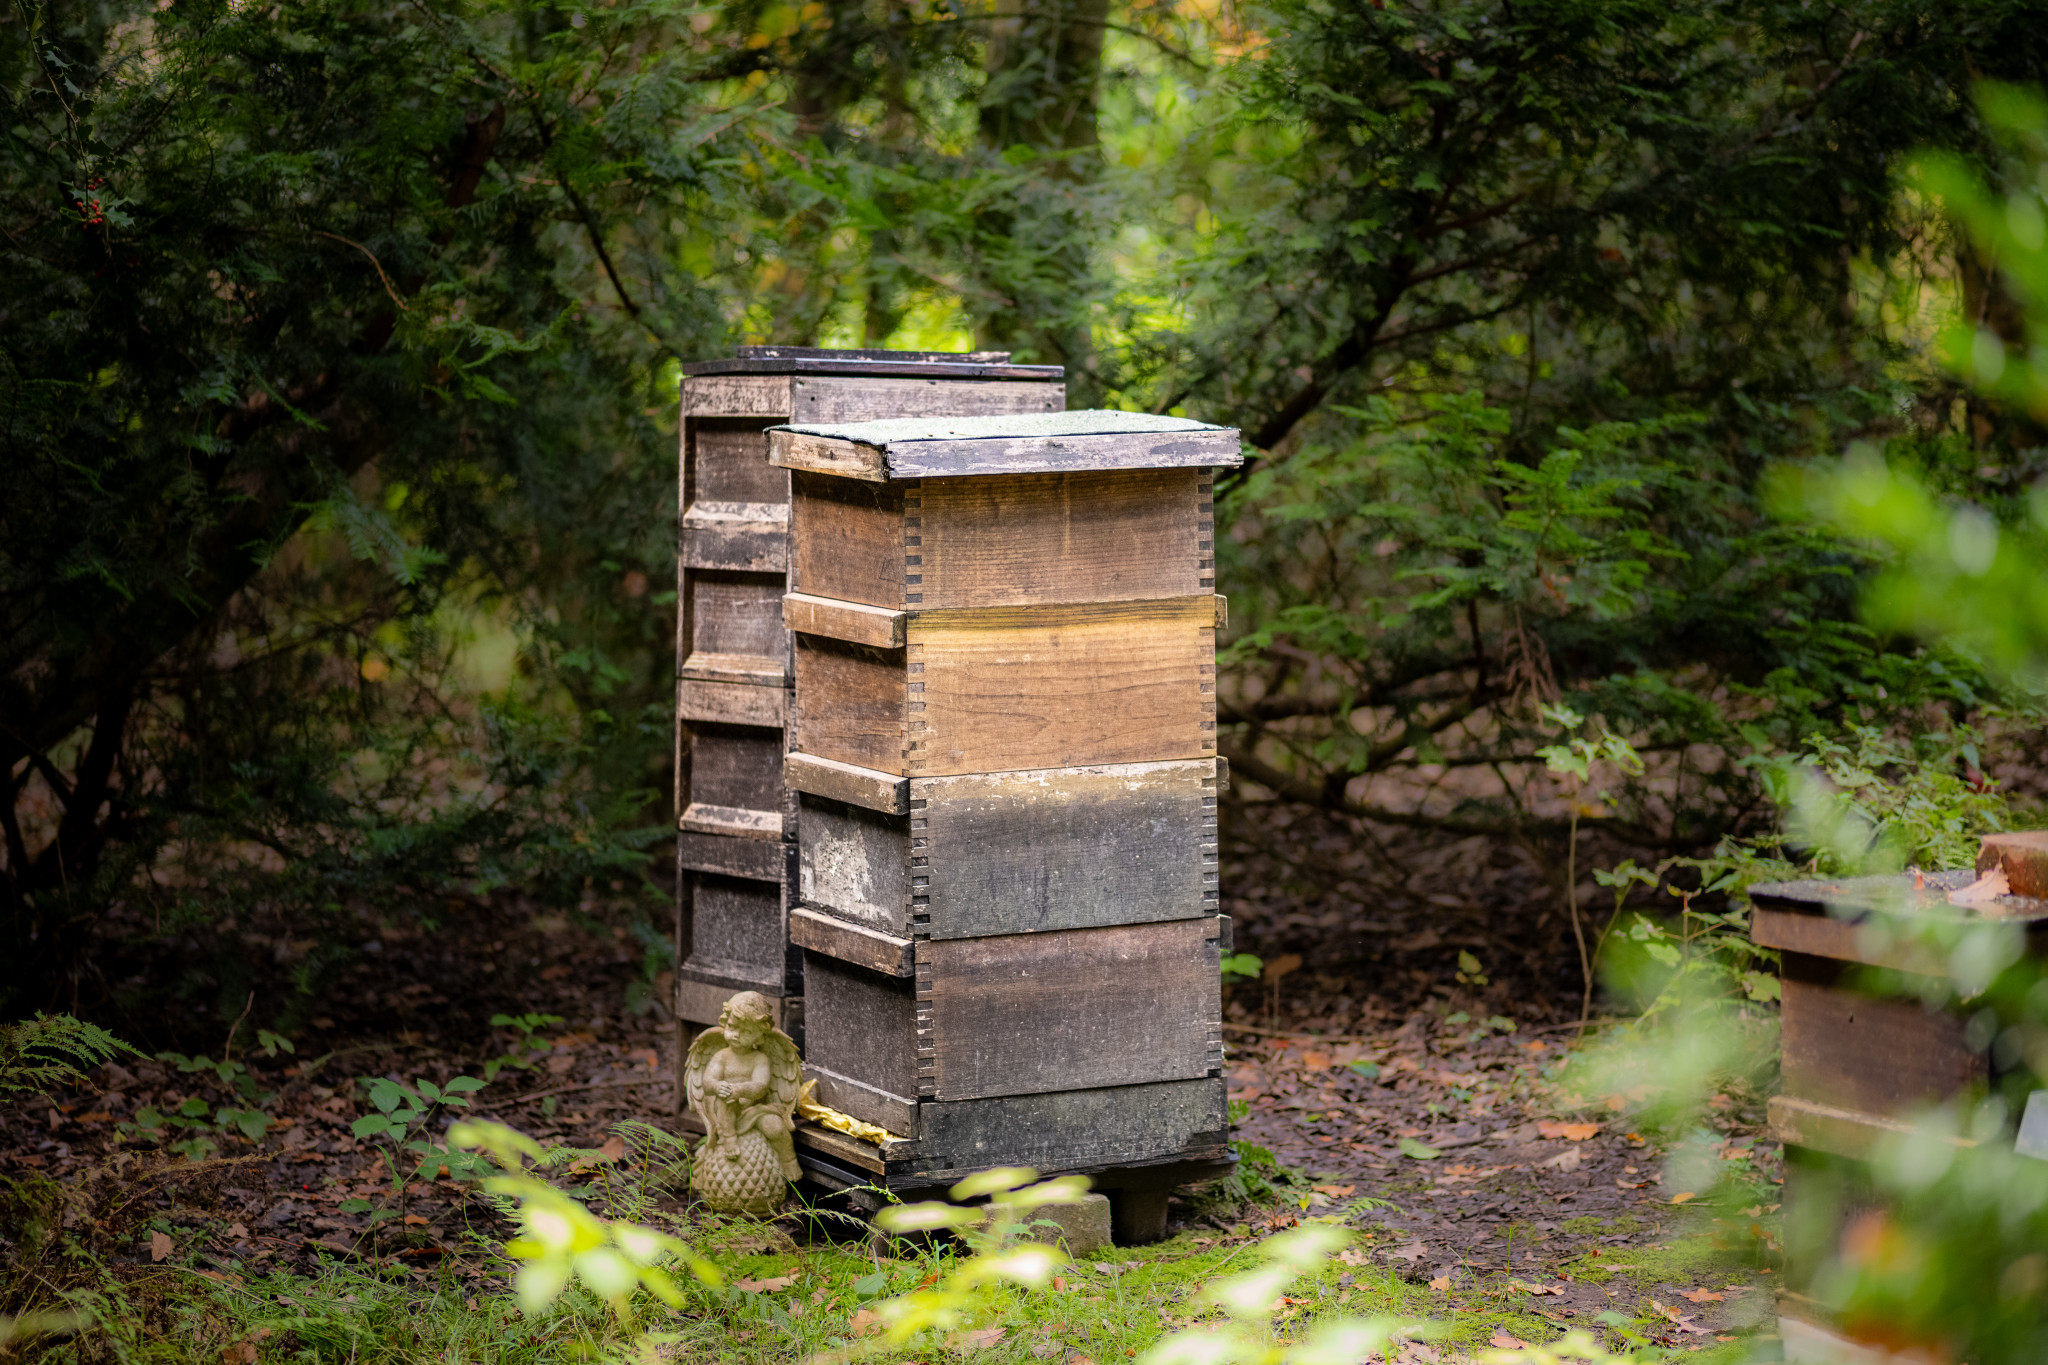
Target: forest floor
<point x="1421" y="1111"/>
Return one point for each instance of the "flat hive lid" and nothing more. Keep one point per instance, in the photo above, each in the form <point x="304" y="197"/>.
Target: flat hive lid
<point x="1024" y="443"/>
<point x="1894" y="896"/>
<point x="769" y="360"/>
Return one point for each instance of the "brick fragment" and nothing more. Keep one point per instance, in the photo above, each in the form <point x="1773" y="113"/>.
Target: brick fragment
<point x="2023" y="856"/>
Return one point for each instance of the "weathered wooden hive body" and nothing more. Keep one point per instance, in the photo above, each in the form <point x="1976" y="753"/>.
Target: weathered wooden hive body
<point x="1857" y="1064"/>
<point x="735" y="846"/>
<point x="1003" y="745"/>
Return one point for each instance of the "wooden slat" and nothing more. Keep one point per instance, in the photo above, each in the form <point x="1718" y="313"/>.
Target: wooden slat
<point x="748" y="537"/>
<point x="750" y="669"/>
<point x="842" y="1148"/>
<point x="897" y="1113"/>
<point x="836" y="938"/>
<point x="731" y="822"/>
<point x="737" y="395"/>
<point x="846" y="782"/>
<point x="1058" y="538"/>
<point x="856" y="708"/>
<point x="732" y="703"/>
<point x="1027" y="1013"/>
<point x="1837" y="1131"/>
<point x="1010" y="688"/>
<point x="847" y="459"/>
<point x="862" y="398"/>
<point x="1825" y="936"/>
<point x="848" y="539"/>
<point x="731" y="857"/>
<point x="1032" y="455"/>
<point x="1064" y="848"/>
<point x="853" y="621"/>
<point x="1878" y="1055"/>
<point x="699" y="1002"/>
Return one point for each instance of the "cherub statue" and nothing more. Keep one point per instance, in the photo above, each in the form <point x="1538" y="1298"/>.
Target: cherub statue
<point x="743" y="1078"/>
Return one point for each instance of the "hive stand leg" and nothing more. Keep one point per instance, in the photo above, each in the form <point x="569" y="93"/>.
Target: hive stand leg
<point x="1138" y="1217"/>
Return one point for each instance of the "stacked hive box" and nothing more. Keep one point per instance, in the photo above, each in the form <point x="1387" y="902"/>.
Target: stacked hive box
<point x="1857" y="1065"/>
<point x="734" y="845"/>
<point x="1004" y="743"/>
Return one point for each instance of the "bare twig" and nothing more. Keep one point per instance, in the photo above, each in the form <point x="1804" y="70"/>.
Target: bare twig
<point x="402" y="304"/>
<point x="585" y="1085"/>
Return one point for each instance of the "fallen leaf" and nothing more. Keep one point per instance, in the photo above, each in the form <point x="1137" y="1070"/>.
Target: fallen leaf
<point x="1538" y="1289"/>
<point x="1684" y="1195"/>
<point x="413" y="1220"/>
<point x="1570" y="1132"/>
<point x="1414" y="1251"/>
<point x="1337" y="1191"/>
<point x="240" y="1230"/>
<point x="1507" y="1343"/>
<point x="1353" y="1256"/>
<point x="1411" y="1148"/>
<point x="1615" y="1102"/>
<point x="865" y="1321"/>
<point x="1440" y="1282"/>
<point x="974" y="1341"/>
<point x="1315" y="1061"/>
<point x="780" y="1282"/>
<point x="1566" y="1160"/>
<point x="614" y="1149"/>
<point x="1534" y="1045"/>
<point x="160" y="1246"/>
<point x="1701" y="1295"/>
<point x="1281" y="966"/>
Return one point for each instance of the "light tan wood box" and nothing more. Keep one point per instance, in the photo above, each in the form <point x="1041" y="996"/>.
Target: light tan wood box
<point x="1001" y="594"/>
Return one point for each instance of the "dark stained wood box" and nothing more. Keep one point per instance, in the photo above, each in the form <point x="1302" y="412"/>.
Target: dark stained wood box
<point x="1857" y="1064"/>
<point x="1003" y="749"/>
<point x="1007" y="852"/>
<point x="735" y="822"/>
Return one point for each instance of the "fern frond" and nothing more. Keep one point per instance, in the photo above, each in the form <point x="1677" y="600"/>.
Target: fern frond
<point x="40" y="1054"/>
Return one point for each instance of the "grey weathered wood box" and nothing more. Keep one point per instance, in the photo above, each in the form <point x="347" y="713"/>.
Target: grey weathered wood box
<point x="735" y="845"/>
<point x="1003" y="753"/>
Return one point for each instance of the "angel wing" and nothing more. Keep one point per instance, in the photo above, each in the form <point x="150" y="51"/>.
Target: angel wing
<point x="785" y="1070"/>
<point x="697" y="1061"/>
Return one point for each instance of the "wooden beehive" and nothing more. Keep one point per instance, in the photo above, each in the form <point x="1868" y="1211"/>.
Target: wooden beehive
<point x="1003" y="743"/>
<point x="1856" y="1064"/>
<point x="735" y="848"/>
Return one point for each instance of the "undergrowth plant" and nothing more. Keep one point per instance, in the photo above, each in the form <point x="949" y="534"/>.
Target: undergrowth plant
<point x="196" y="1127"/>
<point x="400" y="1125"/>
<point x="52" y="1050"/>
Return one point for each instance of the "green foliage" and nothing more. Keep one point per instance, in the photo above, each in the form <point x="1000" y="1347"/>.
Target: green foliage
<point x="563" y="1242"/>
<point x="195" y="1128"/>
<point x="528" y="1047"/>
<point x="41" y="1054"/>
<point x="401" y="1117"/>
<point x="1242" y="967"/>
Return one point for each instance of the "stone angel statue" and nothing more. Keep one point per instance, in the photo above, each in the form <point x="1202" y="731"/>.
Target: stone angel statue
<point x="743" y="1078"/>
